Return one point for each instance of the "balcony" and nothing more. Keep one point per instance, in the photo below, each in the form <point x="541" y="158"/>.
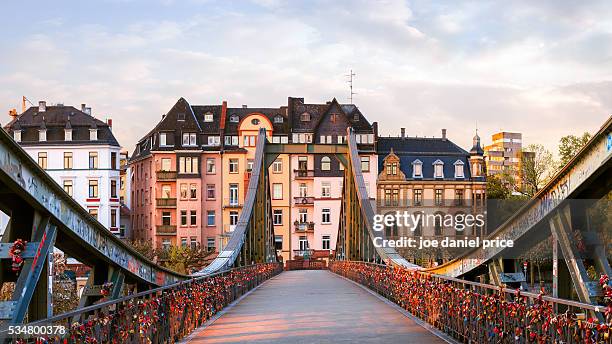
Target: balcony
<point x="303" y="174"/>
<point x="231" y="203"/>
<point x="303" y="200"/>
<point x="166" y="175"/>
<point x="166" y="230"/>
<point x="165" y="202"/>
<point x="303" y="226"/>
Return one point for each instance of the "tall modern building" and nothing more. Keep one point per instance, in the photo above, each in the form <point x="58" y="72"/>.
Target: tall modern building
<point x="78" y="151"/>
<point x="191" y="172"/>
<point x="506" y="153"/>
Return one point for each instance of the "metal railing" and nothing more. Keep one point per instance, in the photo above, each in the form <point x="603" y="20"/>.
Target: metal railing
<point x="165" y="202"/>
<point x="166" y="175"/>
<point x="165" y="230"/>
<point x="232" y="203"/>
<point x="480" y="313"/>
<point x="303" y="200"/>
<point x="161" y="315"/>
<point x="301" y="174"/>
<point x="303" y="226"/>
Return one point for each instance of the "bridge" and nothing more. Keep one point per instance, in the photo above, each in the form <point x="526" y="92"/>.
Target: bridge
<point x="128" y="298"/>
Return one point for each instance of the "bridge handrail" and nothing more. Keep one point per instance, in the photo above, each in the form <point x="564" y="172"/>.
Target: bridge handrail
<point x="572" y="303"/>
<point x="539" y="196"/>
<point x="22" y="157"/>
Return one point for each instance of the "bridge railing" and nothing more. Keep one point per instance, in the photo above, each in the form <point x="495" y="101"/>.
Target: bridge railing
<point x="161" y="315"/>
<point x="481" y="313"/>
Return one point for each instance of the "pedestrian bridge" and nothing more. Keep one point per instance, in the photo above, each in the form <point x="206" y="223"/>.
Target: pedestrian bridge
<point x="313" y="306"/>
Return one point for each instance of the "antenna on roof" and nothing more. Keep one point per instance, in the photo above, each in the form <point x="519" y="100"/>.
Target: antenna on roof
<point x="23" y="103"/>
<point x="350" y="82"/>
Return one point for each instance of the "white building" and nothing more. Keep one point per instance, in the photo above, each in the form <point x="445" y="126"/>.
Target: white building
<point x="78" y="151"/>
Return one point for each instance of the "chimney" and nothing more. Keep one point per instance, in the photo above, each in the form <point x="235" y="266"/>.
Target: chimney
<point x="403" y="130"/>
<point x="444" y="133"/>
<point x="244" y="106"/>
<point x="109" y="121"/>
<point x="88" y="110"/>
<point x="375" y="129"/>
<point x="83" y="107"/>
<point x="223" y="115"/>
<point x="42" y="106"/>
<point x="13" y="113"/>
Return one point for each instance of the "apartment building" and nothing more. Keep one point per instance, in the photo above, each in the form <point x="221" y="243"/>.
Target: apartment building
<point x="78" y="151"/>
<point x="506" y="154"/>
<point x="191" y="172"/>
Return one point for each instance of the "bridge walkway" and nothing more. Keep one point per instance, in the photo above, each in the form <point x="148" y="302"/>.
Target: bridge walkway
<point x="313" y="306"/>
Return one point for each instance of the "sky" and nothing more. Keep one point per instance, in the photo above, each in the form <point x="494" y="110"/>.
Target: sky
<point x="543" y="68"/>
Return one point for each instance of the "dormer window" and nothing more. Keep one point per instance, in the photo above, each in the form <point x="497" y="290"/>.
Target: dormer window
<point x="234" y="118"/>
<point x="93" y="134"/>
<point x="180" y="117"/>
<point x="391" y="168"/>
<point x="417" y="169"/>
<point x="459" y="169"/>
<point x="208" y="117"/>
<point x="42" y="135"/>
<point x="189" y="139"/>
<point x="356" y="117"/>
<point x="438" y="169"/>
<point x="278" y="119"/>
<point x="305" y="117"/>
<point x="17" y="135"/>
<point x="68" y="134"/>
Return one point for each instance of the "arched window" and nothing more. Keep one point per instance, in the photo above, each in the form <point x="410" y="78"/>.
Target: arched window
<point x="325" y="163"/>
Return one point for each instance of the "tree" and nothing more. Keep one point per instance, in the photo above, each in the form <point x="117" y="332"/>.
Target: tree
<point x="182" y="259"/>
<point x="569" y="145"/>
<point x="496" y="188"/>
<point x="537" y="168"/>
<point x="144" y="247"/>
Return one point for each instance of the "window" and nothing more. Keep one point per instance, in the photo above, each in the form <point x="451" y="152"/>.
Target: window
<point x="234" y="118"/>
<point x="303" y="215"/>
<point x="250" y="140"/>
<point x="459" y="197"/>
<point x="183" y="242"/>
<point x="208" y="117"/>
<point x="93" y="160"/>
<point x="210" y="191"/>
<point x="93" y="188"/>
<point x="162" y="139"/>
<point x="417" y="169"/>
<point x="391" y="168"/>
<point x="193" y="218"/>
<point x="325" y="189"/>
<point x="166" y="191"/>
<point x="233" y="194"/>
<point x="68" y="186"/>
<point x="277" y="191"/>
<point x="326" y="216"/>
<point x="438" y="197"/>
<point x="325" y="163"/>
<point x="93" y="134"/>
<point x="68" y="134"/>
<point x="438" y="223"/>
<point x="303" y="243"/>
<point x="210" y="166"/>
<point x="249" y="165"/>
<point x="278" y="119"/>
<point x="365" y="163"/>
<point x="189" y="139"/>
<point x="210" y="243"/>
<point x="193" y="191"/>
<point x="255" y="121"/>
<point x="277" y="217"/>
<point x="340" y="139"/>
<point x="17" y="135"/>
<point x="166" y="218"/>
<point x="166" y="164"/>
<point x="113" y="219"/>
<point x="194" y="242"/>
<point x="418" y="196"/>
<point x="303" y="189"/>
<point x="326" y="240"/>
<point x="305" y="117"/>
<point x="277" y="166"/>
<point x="438" y="169"/>
<point x="231" y="140"/>
<point x="188" y="165"/>
<point x="113" y="162"/>
<point x="42" y="135"/>
<point x="214" y="140"/>
<point x="210" y="217"/>
<point x="42" y="160"/>
<point x="302" y="163"/>
<point x="166" y="244"/>
<point x="278" y="242"/>
<point x="459" y="169"/>
<point x="418" y="229"/>
<point x="94" y="212"/>
<point x="183" y="191"/>
<point x="113" y="189"/>
<point x="233" y="166"/>
<point x="233" y="216"/>
<point x="183" y="217"/>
